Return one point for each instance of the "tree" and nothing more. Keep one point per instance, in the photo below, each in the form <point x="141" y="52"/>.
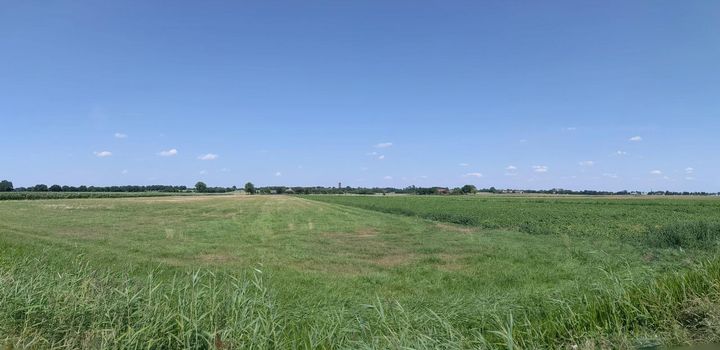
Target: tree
<point x="55" y="188"/>
<point x="250" y="188"/>
<point x="200" y="187"/>
<point x="6" y="186"/>
<point x="467" y="189"/>
<point x="40" y="188"/>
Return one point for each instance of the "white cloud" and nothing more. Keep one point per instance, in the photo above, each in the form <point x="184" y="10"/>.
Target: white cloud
<point x="636" y="139"/>
<point x="689" y="170"/>
<point x="656" y="172"/>
<point x="572" y="128"/>
<point x="119" y="135"/>
<point x="587" y="163"/>
<point x="102" y="154"/>
<point x="621" y="153"/>
<point x="277" y="173"/>
<point x="478" y="175"/>
<point x="381" y="157"/>
<point x="387" y="177"/>
<point x="540" y="168"/>
<point x="463" y="164"/>
<point x="372" y="153"/>
<point x="384" y="145"/>
<point x="168" y="153"/>
<point x="612" y="176"/>
<point x="511" y="168"/>
<point x="209" y="156"/>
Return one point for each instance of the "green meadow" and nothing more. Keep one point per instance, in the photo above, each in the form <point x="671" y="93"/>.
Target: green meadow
<point x="348" y="272"/>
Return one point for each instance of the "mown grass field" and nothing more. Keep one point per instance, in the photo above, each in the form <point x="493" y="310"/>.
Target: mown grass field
<point x="77" y="195"/>
<point x="327" y="272"/>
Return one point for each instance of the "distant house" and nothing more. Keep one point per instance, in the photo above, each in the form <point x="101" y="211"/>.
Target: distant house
<point x="442" y="190"/>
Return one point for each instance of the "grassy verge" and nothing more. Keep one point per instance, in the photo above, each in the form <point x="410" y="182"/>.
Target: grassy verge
<point x="80" y="307"/>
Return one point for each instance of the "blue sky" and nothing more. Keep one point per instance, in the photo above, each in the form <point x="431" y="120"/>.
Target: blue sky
<point x="600" y="95"/>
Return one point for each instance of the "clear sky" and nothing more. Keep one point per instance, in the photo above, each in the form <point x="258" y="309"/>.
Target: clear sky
<point x="604" y="95"/>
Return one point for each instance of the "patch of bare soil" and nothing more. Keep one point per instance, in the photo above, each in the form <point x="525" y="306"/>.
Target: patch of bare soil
<point x="76" y="207"/>
<point x="215" y="258"/>
<point x="366" y="232"/>
<point x="183" y="199"/>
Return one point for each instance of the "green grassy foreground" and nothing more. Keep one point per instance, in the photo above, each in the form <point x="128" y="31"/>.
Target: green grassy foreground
<point x="286" y="272"/>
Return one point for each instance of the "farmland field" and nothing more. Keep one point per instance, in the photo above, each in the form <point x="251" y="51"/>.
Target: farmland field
<point x="358" y="272"/>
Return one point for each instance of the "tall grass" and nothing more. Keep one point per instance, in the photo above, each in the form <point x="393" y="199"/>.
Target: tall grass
<point x="686" y="234"/>
<point x="80" y="307"/>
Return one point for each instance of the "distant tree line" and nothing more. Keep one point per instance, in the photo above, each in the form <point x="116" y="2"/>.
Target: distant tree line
<point x="467" y="189"/>
<point x="249" y="188"/>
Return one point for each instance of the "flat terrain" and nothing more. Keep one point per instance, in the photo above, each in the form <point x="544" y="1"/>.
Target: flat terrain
<point x="338" y="259"/>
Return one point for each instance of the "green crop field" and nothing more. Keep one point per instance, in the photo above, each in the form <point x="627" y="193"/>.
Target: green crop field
<point x="348" y="272"/>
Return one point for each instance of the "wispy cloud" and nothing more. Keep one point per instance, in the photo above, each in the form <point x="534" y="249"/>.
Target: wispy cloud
<point x="636" y="139"/>
<point x="511" y="168"/>
<point x="571" y="128"/>
<point x="689" y="170"/>
<point x="612" y="176"/>
<point x="203" y="172"/>
<point x="540" y="168"/>
<point x="587" y="163"/>
<point x="478" y="175"/>
<point x="277" y="173"/>
<point x="119" y="135"/>
<point x="656" y="172"/>
<point x="464" y="164"/>
<point x="381" y="157"/>
<point x="209" y="156"/>
<point x="621" y="153"/>
<point x="371" y="153"/>
<point x="384" y="145"/>
<point x="388" y="177"/>
<point x="168" y="153"/>
<point x="102" y="154"/>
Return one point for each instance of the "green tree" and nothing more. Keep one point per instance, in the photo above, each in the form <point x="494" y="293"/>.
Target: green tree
<point x="200" y="187"/>
<point x="40" y="188"/>
<point x="55" y="188"/>
<point x="6" y="186"/>
<point x="467" y="189"/>
<point x="250" y="188"/>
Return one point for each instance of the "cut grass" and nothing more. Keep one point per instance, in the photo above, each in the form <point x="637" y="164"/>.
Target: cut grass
<point x="336" y="277"/>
